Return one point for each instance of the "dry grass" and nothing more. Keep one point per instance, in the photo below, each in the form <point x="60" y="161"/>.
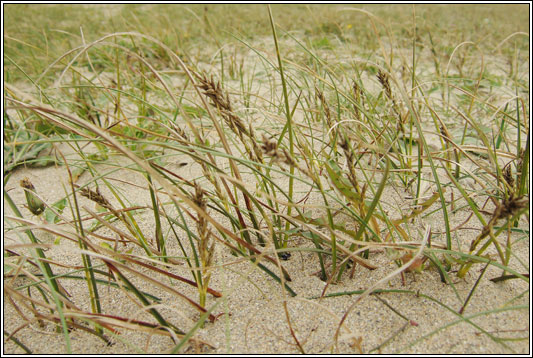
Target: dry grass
<point x="188" y="142"/>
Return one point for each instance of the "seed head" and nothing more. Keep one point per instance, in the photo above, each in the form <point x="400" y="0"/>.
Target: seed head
<point x="35" y="204"/>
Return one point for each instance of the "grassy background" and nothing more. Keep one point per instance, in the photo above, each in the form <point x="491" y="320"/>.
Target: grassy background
<point x="36" y="35"/>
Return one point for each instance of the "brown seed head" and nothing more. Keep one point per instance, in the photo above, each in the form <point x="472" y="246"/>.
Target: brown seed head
<point x="96" y="197"/>
<point x="26" y="184"/>
<point x="507" y="175"/>
<point x="383" y="78"/>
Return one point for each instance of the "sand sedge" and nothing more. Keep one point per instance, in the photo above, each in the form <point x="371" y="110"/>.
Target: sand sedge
<point x="206" y="246"/>
<point x="346" y="158"/>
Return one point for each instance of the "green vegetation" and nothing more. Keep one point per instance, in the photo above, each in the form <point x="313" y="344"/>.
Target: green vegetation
<point x="261" y="132"/>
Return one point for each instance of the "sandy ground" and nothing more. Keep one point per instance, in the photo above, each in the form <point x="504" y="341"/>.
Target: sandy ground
<point x="254" y="311"/>
<point x="254" y="319"/>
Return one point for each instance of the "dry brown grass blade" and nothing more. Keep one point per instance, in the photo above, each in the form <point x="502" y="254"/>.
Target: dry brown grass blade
<point x="369" y="290"/>
<point x="106" y="256"/>
<point x="27" y="301"/>
<point x="116" y="264"/>
<point x="172" y="191"/>
<point x="214" y="293"/>
<point x="125" y="236"/>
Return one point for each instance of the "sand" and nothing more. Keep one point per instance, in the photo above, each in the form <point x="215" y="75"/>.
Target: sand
<point x="252" y="311"/>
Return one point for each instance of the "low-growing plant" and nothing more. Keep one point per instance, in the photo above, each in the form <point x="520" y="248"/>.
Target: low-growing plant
<point x="386" y="156"/>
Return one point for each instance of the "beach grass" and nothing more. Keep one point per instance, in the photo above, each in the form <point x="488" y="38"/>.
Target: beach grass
<point x="261" y="132"/>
